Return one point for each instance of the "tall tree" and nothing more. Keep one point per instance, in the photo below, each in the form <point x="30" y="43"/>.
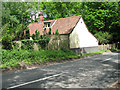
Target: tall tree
<point x="103" y="16"/>
<point x="17" y="15"/>
<point x="100" y="17"/>
<point x="56" y="10"/>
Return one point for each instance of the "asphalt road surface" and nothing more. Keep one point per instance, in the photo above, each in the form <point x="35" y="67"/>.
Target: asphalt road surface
<point x="93" y="72"/>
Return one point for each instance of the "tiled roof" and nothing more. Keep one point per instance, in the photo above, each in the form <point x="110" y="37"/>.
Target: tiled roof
<point x="64" y="25"/>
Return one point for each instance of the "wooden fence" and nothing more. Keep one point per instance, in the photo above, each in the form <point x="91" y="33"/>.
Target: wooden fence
<point x="108" y="46"/>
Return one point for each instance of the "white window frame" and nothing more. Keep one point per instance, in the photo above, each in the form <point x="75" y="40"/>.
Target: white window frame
<point x="46" y="25"/>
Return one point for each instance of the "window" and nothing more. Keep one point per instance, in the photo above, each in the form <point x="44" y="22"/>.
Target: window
<point x="47" y="25"/>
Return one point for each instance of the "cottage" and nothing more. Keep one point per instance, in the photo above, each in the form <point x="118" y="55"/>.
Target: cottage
<point x="72" y="28"/>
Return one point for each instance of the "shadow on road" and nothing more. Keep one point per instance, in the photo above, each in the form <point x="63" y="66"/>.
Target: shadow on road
<point x="117" y="51"/>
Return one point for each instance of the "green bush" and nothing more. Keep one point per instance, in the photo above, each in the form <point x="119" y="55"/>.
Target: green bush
<point x="12" y="58"/>
<point x="27" y="44"/>
<point x="27" y="33"/>
<point x="33" y="36"/>
<point x="42" y="43"/>
<point x="37" y="35"/>
<point x="15" y="45"/>
<point x="7" y="41"/>
<point x="57" y="33"/>
<point x="103" y="37"/>
<point x="113" y="49"/>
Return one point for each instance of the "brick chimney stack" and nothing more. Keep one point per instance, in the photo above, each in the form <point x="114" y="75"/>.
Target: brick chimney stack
<point x="41" y="17"/>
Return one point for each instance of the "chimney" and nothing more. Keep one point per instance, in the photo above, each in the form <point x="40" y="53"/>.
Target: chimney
<point x="40" y="17"/>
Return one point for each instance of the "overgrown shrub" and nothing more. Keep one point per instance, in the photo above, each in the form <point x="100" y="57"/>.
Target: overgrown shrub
<point x="12" y="58"/>
<point x="56" y="32"/>
<point x="42" y="43"/>
<point x="113" y="49"/>
<point x="103" y="37"/>
<point x="7" y="41"/>
<point x="6" y="37"/>
<point x="36" y="36"/>
<point x="15" y="45"/>
<point x="27" y="44"/>
<point x="27" y="33"/>
<point x="33" y="36"/>
<point x="41" y="40"/>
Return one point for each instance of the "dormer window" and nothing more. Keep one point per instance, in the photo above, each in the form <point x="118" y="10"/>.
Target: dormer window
<point x="47" y="25"/>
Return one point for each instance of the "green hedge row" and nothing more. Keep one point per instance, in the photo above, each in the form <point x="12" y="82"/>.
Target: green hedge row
<point x="28" y="44"/>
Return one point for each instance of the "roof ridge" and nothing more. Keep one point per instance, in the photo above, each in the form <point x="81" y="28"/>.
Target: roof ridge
<point x="65" y="25"/>
<point x="64" y="17"/>
<point x="53" y="23"/>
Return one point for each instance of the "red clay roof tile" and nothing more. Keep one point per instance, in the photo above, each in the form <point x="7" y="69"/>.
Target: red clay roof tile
<point x="64" y="25"/>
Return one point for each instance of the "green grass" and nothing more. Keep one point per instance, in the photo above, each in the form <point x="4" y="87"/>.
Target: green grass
<point x="12" y="58"/>
<point x="86" y="54"/>
<point x="113" y="49"/>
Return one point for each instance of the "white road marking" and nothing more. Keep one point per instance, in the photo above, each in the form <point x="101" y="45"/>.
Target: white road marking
<point x="34" y="81"/>
<point x="106" y="59"/>
<point x="115" y="61"/>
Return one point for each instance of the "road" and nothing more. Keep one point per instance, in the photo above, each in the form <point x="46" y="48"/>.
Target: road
<point x="93" y="72"/>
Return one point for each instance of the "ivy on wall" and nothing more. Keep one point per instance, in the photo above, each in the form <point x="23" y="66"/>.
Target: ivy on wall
<point x="27" y="44"/>
<point x="42" y="43"/>
<point x="15" y="45"/>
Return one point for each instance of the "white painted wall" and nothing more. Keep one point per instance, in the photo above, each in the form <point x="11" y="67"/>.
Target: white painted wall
<point x="81" y="37"/>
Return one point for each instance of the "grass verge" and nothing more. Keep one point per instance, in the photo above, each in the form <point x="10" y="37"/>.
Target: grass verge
<point x="13" y="58"/>
<point x="102" y="51"/>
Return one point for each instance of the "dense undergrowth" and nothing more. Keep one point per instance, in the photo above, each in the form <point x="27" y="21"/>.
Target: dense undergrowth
<point x="12" y="58"/>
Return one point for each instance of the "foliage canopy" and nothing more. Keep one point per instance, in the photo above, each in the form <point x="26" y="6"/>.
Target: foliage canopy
<point x="102" y="18"/>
